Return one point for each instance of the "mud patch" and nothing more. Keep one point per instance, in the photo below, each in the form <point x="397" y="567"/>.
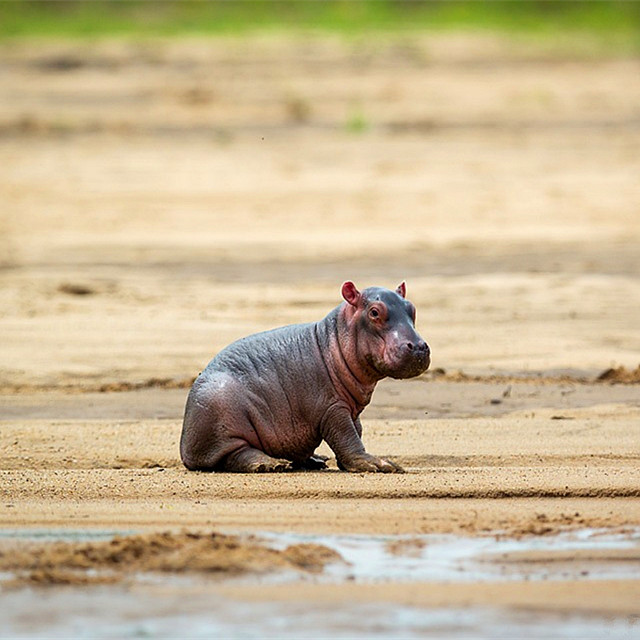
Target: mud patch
<point x="113" y="560"/>
<point x="620" y="375"/>
<point x="406" y="546"/>
<point x="75" y="289"/>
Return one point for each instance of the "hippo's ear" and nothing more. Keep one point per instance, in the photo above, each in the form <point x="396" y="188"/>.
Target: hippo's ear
<point x="402" y="290"/>
<point x="350" y="293"/>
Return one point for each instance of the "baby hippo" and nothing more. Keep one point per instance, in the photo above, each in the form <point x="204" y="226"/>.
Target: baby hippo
<point x="266" y="402"/>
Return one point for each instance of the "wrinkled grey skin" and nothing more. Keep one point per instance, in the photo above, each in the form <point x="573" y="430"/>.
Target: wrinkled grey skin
<point x="266" y="402"/>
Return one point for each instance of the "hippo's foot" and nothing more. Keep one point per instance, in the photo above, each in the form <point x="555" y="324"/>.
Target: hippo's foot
<point x="312" y="463"/>
<point x="250" y="460"/>
<point x="368" y="463"/>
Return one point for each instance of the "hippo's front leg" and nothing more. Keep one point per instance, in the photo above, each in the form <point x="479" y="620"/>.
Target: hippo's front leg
<point x="342" y="434"/>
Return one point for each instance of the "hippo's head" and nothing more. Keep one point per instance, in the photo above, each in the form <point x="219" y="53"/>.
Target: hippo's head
<point x="385" y="335"/>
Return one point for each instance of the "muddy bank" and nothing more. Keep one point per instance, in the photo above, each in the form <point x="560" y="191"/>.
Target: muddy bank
<point x="353" y="586"/>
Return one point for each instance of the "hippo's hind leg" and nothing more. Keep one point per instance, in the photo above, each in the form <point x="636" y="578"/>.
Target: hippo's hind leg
<point x="250" y="460"/>
<point x="217" y="433"/>
<point x="212" y="424"/>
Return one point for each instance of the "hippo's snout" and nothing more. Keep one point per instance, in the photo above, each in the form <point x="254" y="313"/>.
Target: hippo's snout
<point x="421" y="354"/>
<point x="412" y="357"/>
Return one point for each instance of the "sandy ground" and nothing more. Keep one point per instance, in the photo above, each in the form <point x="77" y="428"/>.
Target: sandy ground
<point x="160" y="200"/>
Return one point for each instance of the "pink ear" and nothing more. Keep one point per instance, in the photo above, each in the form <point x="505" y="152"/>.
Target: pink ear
<point x="402" y="290"/>
<point x="350" y="293"/>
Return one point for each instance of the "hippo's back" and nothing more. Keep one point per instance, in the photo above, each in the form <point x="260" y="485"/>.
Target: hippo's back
<point x="286" y="351"/>
<point x="276" y="382"/>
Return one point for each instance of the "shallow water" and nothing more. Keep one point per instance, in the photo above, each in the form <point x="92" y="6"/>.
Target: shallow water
<point x="122" y="613"/>
<point x="163" y="606"/>
<point x="449" y="558"/>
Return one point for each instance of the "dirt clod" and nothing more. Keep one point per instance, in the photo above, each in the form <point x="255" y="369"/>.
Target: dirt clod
<point x="113" y="560"/>
<point x="620" y="375"/>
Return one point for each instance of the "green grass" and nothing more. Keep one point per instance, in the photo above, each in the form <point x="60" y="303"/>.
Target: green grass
<point x="357" y="121"/>
<point x="613" y="21"/>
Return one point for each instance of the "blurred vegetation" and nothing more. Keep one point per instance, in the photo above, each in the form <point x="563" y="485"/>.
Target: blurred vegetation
<point x="615" y="21"/>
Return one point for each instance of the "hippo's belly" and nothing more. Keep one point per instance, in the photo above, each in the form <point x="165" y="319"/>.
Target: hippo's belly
<point x="280" y="425"/>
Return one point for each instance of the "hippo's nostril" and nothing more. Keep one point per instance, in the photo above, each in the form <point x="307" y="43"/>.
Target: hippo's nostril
<point x="422" y="347"/>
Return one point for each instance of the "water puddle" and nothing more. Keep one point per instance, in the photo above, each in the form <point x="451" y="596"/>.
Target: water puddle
<point x="599" y="554"/>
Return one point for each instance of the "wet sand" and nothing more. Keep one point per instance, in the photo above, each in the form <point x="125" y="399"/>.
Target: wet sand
<point x="161" y="200"/>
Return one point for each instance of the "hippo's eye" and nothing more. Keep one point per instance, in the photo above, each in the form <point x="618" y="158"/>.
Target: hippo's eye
<point x="374" y="314"/>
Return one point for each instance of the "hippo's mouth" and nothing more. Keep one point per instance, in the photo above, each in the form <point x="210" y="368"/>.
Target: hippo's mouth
<point x="409" y="366"/>
<point x="411" y="369"/>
